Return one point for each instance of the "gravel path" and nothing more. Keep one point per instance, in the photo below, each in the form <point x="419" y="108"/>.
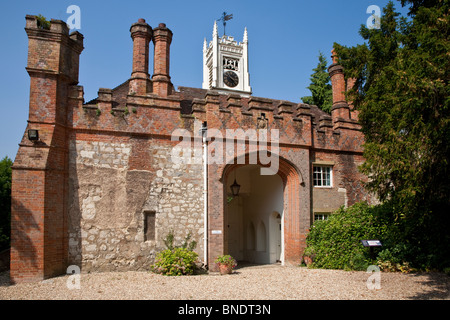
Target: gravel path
<point x="269" y="282"/>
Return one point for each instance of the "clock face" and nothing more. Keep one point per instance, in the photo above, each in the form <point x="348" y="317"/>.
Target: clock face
<point x="231" y="79"/>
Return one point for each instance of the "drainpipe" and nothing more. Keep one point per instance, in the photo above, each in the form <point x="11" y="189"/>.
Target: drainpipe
<point x="205" y="191"/>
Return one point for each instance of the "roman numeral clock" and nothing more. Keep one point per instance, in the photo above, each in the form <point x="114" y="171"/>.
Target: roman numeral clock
<point x="230" y="69"/>
<point x="225" y="63"/>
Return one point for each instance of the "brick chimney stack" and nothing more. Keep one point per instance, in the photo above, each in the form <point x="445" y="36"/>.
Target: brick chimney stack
<point x="162" y="38"/>
<point x="340" y="107"/>
<point x="141" y="33"/>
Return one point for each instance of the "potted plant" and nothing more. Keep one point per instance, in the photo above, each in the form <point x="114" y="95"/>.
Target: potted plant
<point x="308" y="256"/>
<point x="308" y="260"/>
<point x="226" y="264"/>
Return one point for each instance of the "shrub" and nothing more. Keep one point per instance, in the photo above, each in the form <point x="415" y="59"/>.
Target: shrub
<point x="407" y="246"/>
<point x="336" y="243"/>
<point x="393" y="259"/>
<point x="176" y="262"/>
<point x="42" y="22"/>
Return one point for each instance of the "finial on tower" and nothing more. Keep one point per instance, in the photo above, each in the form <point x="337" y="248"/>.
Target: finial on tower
<point x="245" y="35"/>
<point x="215" y="32"/>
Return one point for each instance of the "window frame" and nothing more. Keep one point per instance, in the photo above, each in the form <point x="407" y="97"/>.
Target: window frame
<point x="322" y="167"/>
<point x="323" y="214"/>
<point x="149" y="221"/>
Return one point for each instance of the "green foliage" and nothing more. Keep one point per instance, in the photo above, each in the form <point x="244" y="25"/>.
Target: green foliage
<point x="5" y="202"/>
<point x="402" y="94"/>
<point x="42" y="22"/>
<point x="186" y="244"/>
<point x="391" y="259"/>
<point x="447" y="271"/>
<point x="416" y="4"/>
<point x="336" y="243"/>
<point x="320" y="87"/>
<point x="226" y="260"/>
<point x="176" y="262"/>
<point x="168" y="240"/>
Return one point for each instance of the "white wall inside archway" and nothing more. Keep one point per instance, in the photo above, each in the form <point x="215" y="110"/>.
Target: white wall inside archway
<point x="254" y="218"/>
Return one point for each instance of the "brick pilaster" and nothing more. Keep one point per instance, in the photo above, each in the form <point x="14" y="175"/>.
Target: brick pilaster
<point x="39" y="178"/>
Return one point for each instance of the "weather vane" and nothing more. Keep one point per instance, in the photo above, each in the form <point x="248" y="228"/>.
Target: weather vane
<point x="225" y="17"/>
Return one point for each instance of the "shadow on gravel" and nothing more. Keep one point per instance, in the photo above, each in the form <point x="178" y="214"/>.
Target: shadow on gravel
<point x="245" y="264"/>
<point x="4" y="279"/>
<point x="439" y="283"/>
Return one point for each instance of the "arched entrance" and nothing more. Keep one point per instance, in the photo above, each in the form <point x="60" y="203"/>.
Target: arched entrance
<point x="253" y="218"/>
<point x="231" y="233"/>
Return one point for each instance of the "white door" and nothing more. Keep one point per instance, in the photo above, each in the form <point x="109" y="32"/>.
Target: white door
<point x="278" y="237"/>
<point x="276" y="249"/>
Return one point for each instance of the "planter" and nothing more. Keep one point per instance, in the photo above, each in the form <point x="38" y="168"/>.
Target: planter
<point x="225" y="269"/>
<point x="308" y="260"/>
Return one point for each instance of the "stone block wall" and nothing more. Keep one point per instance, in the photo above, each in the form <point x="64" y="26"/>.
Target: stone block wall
<point x="108" y="201"/>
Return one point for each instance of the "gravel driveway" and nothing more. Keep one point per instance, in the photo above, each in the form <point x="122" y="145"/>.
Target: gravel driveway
<point x="270" y="282"/>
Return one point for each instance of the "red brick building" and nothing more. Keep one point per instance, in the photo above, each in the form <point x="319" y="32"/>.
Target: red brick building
<point x="95" y="184"/>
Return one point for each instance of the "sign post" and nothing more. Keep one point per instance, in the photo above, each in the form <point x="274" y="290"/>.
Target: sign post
<point x="371" y="244"/>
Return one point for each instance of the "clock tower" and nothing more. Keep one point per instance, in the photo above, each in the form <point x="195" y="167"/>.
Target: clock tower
<point x="225" y="64"/>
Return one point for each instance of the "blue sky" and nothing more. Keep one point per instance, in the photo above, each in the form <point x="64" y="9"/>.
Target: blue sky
<point x="285" y="38"/>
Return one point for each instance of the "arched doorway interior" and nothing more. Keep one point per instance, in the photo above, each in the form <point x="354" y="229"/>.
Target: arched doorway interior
<point x="254" y="224"/>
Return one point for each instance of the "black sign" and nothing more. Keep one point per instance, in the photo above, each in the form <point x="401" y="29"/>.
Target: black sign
<point x="371" y="243"/>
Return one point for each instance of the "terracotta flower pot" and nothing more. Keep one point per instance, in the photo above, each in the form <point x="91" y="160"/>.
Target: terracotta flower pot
<point x="225" y="269"/>
<point x="308" y="260"/>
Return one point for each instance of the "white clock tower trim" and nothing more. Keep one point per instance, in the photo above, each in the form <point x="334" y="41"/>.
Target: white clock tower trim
<point x="225" y="64"/>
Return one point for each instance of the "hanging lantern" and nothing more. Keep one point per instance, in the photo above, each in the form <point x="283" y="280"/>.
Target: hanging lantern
<point x="235" y="187"/>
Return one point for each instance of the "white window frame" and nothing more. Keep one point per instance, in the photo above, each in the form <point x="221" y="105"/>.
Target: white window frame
<point x="322" y="167"/>
<point x="324" y="216"/>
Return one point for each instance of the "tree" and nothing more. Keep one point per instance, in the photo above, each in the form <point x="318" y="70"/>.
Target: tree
<point x="416" y="4"/>
<point x="5" y="202"/>
<point x="320" y="87"/>
<point x="402" y="94"/>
